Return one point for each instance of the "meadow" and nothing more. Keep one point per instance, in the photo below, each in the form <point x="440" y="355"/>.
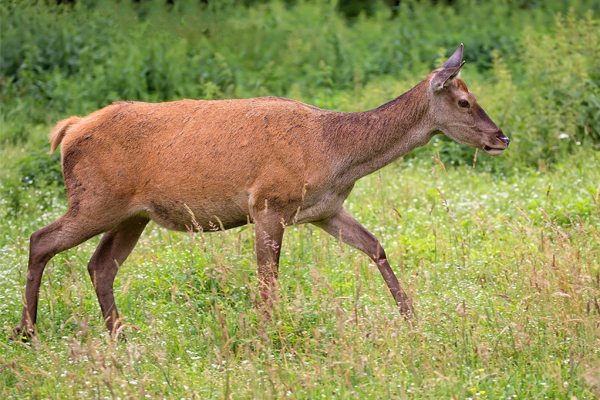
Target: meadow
<point x="500" y="254"/>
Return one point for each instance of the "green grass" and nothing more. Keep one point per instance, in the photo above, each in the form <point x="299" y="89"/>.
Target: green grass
<point x="504" y="271"/>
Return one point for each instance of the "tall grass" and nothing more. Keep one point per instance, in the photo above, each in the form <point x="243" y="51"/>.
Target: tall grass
<point x="504" y="271"/>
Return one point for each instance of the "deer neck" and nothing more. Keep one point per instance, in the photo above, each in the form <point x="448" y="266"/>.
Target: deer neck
<point x="367" y="141"/>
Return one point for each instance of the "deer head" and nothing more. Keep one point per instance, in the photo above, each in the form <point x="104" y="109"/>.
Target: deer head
<point x="455" y="112"/>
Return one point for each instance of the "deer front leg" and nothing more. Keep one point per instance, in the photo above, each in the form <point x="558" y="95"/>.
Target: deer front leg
<point x="269" y="235"/>
<point x="343" y="225"/>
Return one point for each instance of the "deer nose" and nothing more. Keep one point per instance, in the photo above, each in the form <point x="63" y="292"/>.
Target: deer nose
<point x="503" y="138"/>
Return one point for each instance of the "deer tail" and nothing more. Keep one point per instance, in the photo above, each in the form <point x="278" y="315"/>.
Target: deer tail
<point x="60" y="131"/>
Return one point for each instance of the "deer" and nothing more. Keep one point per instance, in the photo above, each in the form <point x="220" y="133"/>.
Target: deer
<point x="269" y="161"/>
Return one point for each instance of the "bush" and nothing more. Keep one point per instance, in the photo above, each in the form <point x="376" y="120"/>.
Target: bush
<point x="37" y="171"/>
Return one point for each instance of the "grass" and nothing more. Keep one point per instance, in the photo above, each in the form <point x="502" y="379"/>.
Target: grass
<point x="503" y="268"/>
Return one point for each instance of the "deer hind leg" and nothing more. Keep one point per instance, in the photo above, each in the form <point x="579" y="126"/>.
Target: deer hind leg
<point x="353" y="233"/>
<point x="114" y="248"/>
<point x="66" y="232"/>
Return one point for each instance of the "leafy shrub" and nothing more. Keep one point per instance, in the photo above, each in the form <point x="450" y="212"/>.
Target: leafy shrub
<point x="36" y="171"/>
<point x="558" y="103"/>
<point x="39" y="169"/>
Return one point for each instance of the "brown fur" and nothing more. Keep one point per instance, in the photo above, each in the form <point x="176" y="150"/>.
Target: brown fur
<point x="218" y="164"/>
<point x="60" y="131"/>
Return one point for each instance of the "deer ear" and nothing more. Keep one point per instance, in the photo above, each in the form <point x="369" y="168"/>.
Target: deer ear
<point x="455" y="59"/>
<point x="443" y="78"/>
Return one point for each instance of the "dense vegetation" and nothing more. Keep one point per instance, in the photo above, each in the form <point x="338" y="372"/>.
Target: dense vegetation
<point x="501" y="253"/>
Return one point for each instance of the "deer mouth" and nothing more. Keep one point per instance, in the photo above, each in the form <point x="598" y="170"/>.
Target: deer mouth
<point x="498" y="137"/>
<point x="493" y="151"/>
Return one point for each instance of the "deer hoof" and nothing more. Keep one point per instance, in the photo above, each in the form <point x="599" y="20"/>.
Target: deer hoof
<point x="121" y="337"/>
<point x="406" y="310"/>
<point x="21" y="334"/>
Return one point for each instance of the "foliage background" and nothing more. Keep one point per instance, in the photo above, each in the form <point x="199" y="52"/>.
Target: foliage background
<point x="505" y="267"/>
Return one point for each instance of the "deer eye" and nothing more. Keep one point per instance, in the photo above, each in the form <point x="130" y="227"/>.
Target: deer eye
<point x="463" y="103"/>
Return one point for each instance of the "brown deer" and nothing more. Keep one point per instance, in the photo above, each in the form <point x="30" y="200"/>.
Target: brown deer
<point x="270" y="161"/>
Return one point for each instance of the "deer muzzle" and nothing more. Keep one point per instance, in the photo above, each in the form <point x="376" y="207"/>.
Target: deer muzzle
<point x="498" y="144"/>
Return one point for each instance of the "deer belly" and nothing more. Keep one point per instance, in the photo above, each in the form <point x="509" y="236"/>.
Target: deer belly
<point x="190" y="214"/>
